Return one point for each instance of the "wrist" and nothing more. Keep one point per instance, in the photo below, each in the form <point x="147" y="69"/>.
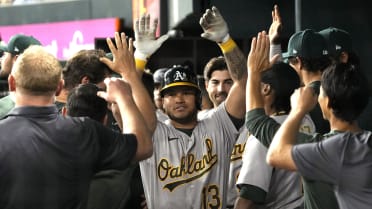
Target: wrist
<point x="140" y="64"/>
<point x="225" y="39"/>
<point x="141" y="56"/>
<point x="140" y="60"/>
<point x="228" y="45"/>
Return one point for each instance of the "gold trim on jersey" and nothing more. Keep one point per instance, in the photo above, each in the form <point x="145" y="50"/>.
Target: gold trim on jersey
<point x="237" y="152"/>
<point x="189" y="169"/>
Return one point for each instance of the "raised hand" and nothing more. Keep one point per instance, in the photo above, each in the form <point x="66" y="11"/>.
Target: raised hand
<point x="122" y="52"/>
<point x="145" y="37"/>
<point x="275" y="27"/>
<point x="258" y="57"/>
<point x="214" y="26"/>
<point x="303" y="100"/>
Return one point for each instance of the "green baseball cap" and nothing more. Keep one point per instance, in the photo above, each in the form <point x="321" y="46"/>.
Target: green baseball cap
<point x="338" y="40"/>
<point x="307" y="44"/>
<point x="19" y="42"/>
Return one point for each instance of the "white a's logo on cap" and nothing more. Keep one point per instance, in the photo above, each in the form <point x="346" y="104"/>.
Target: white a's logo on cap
<point x="16" y="49"/>
<point x="294" y="51"/>
<point x="179" y="76"/>
<point x="338" y="47"/>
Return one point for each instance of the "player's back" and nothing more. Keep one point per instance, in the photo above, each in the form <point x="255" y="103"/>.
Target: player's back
<point x="47" y="160"/>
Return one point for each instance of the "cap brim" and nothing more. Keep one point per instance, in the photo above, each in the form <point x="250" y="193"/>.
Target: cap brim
<point x="286" y="55"/>
<point x="3" y="48"/>
<point x="166" y="87"/>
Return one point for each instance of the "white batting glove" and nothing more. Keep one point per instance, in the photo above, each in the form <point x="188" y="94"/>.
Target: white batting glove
<point x="214" y="26"/>
<point x="145" y="41"/>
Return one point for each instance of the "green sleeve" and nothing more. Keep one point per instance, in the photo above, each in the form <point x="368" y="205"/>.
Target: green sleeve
<point x="264" y="128"/>
<point x="261" y="126"/>
<point x="253" y="193"/>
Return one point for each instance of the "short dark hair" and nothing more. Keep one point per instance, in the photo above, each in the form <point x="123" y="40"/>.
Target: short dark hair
<point x="85" y="63"/>
<point x="316" y="64"/>
<point x="283" y="79"/>
<point x="83" y="101"/>
<point x="216" y="63"/>
<point x="347" y="89"/>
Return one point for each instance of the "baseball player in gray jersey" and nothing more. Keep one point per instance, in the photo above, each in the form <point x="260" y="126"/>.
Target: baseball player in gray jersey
<point x="218" y="83"/>
<point x="260" y="185"/>
<point x="190" y="164"/>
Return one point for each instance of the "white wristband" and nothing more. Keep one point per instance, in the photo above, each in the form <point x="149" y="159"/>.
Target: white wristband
<point x="226" y="38"/>
<point x="139" y="55"/>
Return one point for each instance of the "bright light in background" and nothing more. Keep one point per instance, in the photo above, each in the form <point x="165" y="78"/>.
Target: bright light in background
<point x="63" y="39"/>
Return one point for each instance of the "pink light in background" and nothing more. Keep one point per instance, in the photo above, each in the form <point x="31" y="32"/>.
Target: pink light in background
<point x="63" y="39"/>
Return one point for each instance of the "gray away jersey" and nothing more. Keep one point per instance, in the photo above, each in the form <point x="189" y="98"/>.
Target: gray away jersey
<point x="235" y="160"/>
<point x="283" y="188"/>
<point x="190" y="172"/>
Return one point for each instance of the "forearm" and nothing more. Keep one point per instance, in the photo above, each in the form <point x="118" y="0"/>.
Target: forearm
<point x="143" y="101"/>
<point x="254" y="98"/>
<point x="236" y="64"/>
<point x="134" y="124"/>
<point x="235" y="60"/>
<point x="242" y="203"/>
<point x="276" y="49"/>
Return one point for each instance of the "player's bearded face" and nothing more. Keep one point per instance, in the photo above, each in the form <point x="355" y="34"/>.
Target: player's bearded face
<point x="218" y="86"/>
<point x="180" y="104"/>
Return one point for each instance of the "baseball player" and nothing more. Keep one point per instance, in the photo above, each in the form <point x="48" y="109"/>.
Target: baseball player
<point x="219" y="81"/>
<point x="343" y="158"/>
<point x="190" y="164"/>
<point x="189" y="167"/>
<point x="316" y="194"/>
<point x="262" y="186"/>
<point x="218" y="84"/>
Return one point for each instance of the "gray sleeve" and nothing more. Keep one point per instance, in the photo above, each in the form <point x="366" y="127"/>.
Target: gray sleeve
<point x="320" y="161"/>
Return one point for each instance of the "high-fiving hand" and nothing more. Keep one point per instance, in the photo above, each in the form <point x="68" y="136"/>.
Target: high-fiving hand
<point x="214" y="26"/>
<point x="145" y="37"/>
<point x="276" y="26"/>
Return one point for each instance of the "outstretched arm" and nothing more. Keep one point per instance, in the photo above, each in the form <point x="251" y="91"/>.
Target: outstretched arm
<point x="216" y="29"/>
<point x="123" y="63"/>
<point x="119" y="92"/>
<point x="258" y="61"/>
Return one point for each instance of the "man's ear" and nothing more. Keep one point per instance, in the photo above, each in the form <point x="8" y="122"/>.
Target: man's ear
<point x="344" y="57"/>
<point x="266" y="89"/>
<point x="299" y="62"/>
<point x="11" y="83"/>
<point x="15" y="57"/>
<point x="60" y="87"/>
<point x="84" y="80"/>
